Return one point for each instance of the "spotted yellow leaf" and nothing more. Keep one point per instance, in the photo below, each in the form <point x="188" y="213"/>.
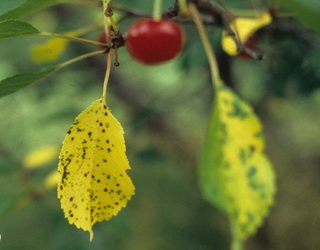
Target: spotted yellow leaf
<point x="244" y="28"/>
<point x="235" y="174"/>
<point x="93" y="184"/>
<point x="50" y="50"/>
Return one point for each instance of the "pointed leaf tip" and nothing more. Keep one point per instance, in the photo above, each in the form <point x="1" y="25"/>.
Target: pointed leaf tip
<point x="235" y="174"/>
<point x="94" y="185"/>
<point x="12" y="28"/>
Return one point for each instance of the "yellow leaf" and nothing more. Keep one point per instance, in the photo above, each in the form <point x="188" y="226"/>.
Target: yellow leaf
<point x="235" y="173"/>
<point x="94" y="185"/>
<point x="50" y="50"/>
<point x="52" y="180"/>
<point x="40" y="157"/>
<point x="244" y="28"/>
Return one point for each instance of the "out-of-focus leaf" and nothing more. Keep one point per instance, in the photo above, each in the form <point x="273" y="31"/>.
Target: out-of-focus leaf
<point x="235" y="174"/>
<point x="308" y="11"/>
<point x="11" y="28"/>
<point x="94" y="185"/>
<point x="50" y="50"/>
<point x="19" y="81"/>
<point x="5" y="6"/>
<point x="29" y="7"/>
<point x="40" y="157"/>
<point x="52" y="179"/>
<point x="244" y="28"/>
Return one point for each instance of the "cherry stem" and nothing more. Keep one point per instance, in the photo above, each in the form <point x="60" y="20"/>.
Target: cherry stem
<point x="84" y="56"/>
<point x="108" y="12"/>
<point x="157" y="8"/>
<point x="116" y="62"/>
<point x="207" y="46"/>
<point x="106" y="78"/>
<point x="183" y="8"/>
<point x="105" y="20"/>
<point x="108" y="16"/>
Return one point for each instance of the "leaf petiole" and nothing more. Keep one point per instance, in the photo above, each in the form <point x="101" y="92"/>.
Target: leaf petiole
<point x="183" y="8"/>
<point x="107" y="75"/>
<point x="207" y="46"/>
<point x="108" y="17"/>
<point x="71" y="38"/>
<point x="84" y="56"/>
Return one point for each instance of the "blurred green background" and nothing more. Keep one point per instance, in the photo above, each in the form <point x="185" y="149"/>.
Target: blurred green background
<point x="164" y="111"/>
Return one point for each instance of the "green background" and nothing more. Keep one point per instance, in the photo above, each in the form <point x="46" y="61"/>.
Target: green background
<point x="164" y="111"/>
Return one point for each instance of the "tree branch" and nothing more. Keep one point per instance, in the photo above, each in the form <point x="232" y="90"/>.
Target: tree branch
<point x="218" y="16"/>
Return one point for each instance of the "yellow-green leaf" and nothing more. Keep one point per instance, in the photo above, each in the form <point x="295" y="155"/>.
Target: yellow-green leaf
<point x="244" y="28"/>
<point x="52" y="179"/>
<point x="40" y="157"/>
<point x="50" y="50"/>
<point x="235" y="174"/>
<point x="94" y="185"/>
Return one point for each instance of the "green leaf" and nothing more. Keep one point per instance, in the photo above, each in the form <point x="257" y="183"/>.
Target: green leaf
<point x="235" y="174"/>
<point x="11" y="28"/>
<point x="5" y="6"/>
<point x="16" y="82"/>
<point x="30" y="6"/>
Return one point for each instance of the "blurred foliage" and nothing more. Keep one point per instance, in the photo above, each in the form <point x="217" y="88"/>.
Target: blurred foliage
<point x="307" y="11"/>
<point x="164" y="111"/>
<point x="40" y="157"/>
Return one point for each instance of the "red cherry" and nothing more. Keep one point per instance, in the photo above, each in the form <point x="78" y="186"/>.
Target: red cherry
<point x="250" y="43"/>
<point x="102" y="38"/>
<point x="152" y="42"/>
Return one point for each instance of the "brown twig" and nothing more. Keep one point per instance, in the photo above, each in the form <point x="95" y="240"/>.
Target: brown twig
<point x="129" y="12"/>
<point x="172" y="12"/>
<point x="217" y="15"/>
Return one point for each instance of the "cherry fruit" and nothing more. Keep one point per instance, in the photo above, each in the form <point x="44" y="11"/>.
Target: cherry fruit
<point x="151" y="41"/>
<point x="102" y="37"/>
<point x="250" y="43"/>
